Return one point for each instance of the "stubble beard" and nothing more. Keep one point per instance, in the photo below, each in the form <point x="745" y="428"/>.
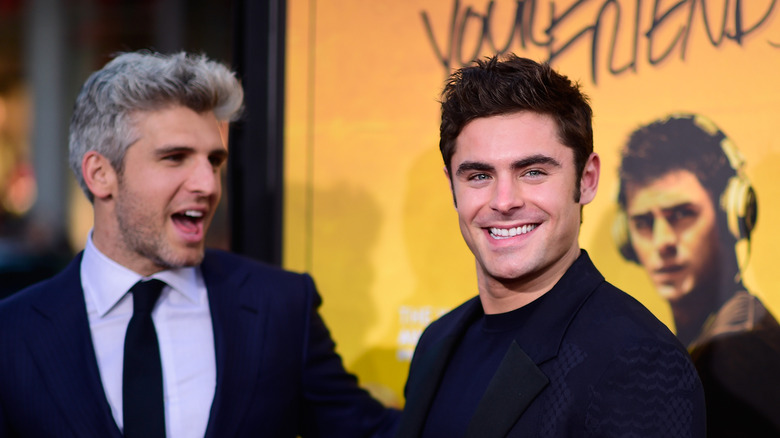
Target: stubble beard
<point x="141" y="235"/>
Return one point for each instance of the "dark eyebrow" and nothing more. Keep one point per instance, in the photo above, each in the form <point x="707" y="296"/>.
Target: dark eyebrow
<point x="467" y="166"/>
<point x="173" y="150"/>
<point x="535" y="160"/>
<point x="667" y="210"/>
<point x="680" y="207"/>
<point x="641" y="215"/>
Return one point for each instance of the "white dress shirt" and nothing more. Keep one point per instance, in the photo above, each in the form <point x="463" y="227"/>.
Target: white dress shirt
<point x="183" y="324"/>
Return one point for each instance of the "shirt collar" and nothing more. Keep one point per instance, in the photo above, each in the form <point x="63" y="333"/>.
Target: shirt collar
<point x="107" y="281"/>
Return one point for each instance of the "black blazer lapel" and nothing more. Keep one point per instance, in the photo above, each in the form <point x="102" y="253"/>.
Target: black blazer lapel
<point x="428" y="372"/>
<point x="518" y="381"/>
<point x="515" y="385"/>
<point x="61" y="345"/>
<point x="237" y="316"/>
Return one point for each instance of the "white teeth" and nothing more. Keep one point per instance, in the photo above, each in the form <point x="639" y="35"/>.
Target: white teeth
<point x="193" y="213"/>
<point x="504" y="233"/>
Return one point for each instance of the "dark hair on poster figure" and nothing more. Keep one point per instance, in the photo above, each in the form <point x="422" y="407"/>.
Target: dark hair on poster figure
<point x="693" y="143"/>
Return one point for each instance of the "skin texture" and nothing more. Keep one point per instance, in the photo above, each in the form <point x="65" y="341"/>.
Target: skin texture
<point x="511" y="171"/>
<point x="172" y="168"/>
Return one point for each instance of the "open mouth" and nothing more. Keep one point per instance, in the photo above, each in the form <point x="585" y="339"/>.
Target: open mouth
<point x="189" y="221"/>
<point x="506" y="233"/>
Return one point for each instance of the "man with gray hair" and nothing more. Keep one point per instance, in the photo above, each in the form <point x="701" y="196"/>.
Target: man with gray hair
<point x="147" y="333"/>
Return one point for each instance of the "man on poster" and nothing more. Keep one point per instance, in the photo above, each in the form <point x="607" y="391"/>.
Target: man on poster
<point x="146" y="333"/>
<point x="685" y="207"/>
<point x="548" y="347"/>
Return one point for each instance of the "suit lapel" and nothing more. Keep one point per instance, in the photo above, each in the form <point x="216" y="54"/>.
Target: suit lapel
<point x="518" y="380"/>
<point x="62" y="348"/>
<point x="429" y="370"/>
<point x="237" y="317"/>
<point x="511" y="390"/>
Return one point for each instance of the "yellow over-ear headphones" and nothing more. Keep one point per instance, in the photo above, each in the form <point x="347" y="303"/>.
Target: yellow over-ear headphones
<point x="621" y="237"/>
<point x="738" y="200"/>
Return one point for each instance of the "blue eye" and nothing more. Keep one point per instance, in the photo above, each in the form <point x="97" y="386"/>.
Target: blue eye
<point x="535" y="173"/>
<point x="174" y="157"/>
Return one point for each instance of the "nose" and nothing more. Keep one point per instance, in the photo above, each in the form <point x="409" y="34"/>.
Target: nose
<point x="506" y="196"/>
<point x="664" y="237"/>
<point x="204" y="178"/>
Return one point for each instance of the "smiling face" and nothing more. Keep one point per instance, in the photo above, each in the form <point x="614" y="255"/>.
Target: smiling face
<point x="514" y="183"/>
<point x="672" y="226"/>
<point x="162" y="203"/>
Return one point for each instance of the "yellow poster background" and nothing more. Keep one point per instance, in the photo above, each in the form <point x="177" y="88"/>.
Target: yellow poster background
<point x="367" y="207"/>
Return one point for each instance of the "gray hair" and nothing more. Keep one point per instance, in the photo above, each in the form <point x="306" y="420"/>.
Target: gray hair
<point x="144" y="81"/>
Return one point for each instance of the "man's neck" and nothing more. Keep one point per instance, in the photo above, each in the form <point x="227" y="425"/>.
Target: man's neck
<point x="145" y="268"/>
<point x="504" y="295"/>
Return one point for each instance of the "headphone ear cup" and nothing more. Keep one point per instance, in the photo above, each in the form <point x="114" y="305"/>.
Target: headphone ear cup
<point x="741" y="207"/>
<point x="622" y="238"/>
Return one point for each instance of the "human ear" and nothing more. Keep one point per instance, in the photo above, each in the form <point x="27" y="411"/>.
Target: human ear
<point x="452" y="189"/>
<point x="98" y="174"/>
<point x="589" y="182"/>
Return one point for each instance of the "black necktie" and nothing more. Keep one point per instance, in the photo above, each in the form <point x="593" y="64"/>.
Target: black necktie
<point x="142" y="390"/>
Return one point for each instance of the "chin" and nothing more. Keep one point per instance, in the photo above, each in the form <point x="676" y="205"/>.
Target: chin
<point x="183" y="259"/>
<point x="193" y="259"/>
<point x="507" y="275"/>
<point x="671" y="293"/>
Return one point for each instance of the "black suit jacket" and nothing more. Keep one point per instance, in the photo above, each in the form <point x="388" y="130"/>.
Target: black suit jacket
<point x="590" y="362"/>
<point x="277" y="372"/>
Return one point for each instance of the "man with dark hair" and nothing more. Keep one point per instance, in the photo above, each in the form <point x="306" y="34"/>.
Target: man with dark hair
<point x="548" y="347"/>
<point x="685" y="205"/>
<point x="146" y="333"/>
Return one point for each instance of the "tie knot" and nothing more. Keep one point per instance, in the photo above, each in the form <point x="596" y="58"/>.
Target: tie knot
<point x="145" y="294"/>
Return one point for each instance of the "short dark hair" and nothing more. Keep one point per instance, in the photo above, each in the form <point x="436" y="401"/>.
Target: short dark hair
<point x="695" y="144"/>
<point x="509" y="84"/>
<point x="678" y="142"/>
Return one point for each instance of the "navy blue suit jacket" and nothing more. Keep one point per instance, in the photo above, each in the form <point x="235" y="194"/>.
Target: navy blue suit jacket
<point x="590" y="362"/>
<point x="277" y="372"/>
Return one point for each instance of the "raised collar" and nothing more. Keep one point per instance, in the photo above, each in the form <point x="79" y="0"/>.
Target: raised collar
<point x="106" y="282"/>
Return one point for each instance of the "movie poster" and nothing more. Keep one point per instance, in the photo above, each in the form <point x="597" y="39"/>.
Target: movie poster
<point x="367" y="206"/>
